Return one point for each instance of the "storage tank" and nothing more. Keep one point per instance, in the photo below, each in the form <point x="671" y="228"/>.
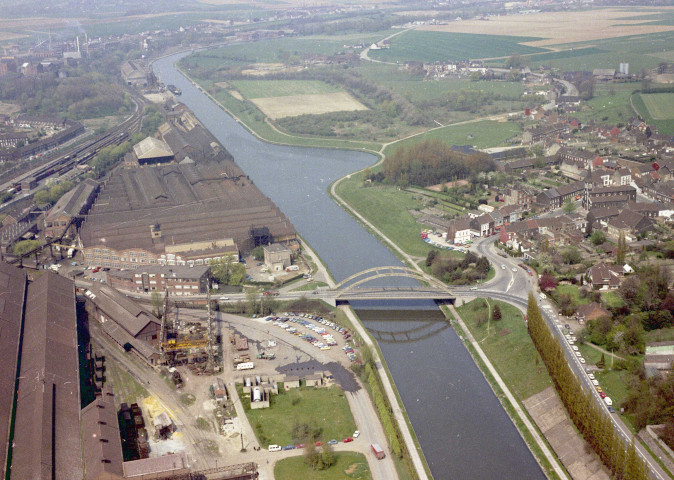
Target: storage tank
<point x="257" y="394"/>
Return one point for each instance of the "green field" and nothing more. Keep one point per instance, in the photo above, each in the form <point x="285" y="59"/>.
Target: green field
<point x="281" y="88"/>
<point x="388" y="209"/>
<point x="320" y="408"/>
<point x="349" y="466"/>
<point x="482" y="134"/>
<point x="442" y="46"/>
<point x="610" y="104"/>
<point x="664" y="126"/>
<point x="640" y="51"/>
<point x="508" y="346"/>
<point x="660" y="105"/>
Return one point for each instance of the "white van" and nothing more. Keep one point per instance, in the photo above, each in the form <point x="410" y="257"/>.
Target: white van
<point x="274" y="448"/>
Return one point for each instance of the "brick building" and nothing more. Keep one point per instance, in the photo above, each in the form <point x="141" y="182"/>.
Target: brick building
<point x="178" y="280"/>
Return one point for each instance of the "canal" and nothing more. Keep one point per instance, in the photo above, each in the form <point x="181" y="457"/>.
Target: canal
<point x="461" y="426"/>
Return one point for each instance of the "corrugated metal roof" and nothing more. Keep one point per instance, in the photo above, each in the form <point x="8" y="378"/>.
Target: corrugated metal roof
<point x="122" y="310"/>
<point x="12" y="292"/>
<point x="47" y="424"/>
<point x="101" y="442"/>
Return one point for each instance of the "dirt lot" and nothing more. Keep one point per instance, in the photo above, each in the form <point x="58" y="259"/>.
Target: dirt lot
<point x="293" y="105"/>
<point x="8" y="108"/>
<point x="558" y="28"/>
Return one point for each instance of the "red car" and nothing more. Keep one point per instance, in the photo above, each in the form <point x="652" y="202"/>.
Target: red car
<point x="299" y="445"/>
<point x="95" y="270"/>
<point x="602" y="395"/>
<point x="319" y="444"/>
<point x="348" y="439"/>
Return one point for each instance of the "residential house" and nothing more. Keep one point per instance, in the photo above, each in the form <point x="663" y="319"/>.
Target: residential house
<point x="571" y="154"/>
<point x="650" y="210"/>
<point x="614" y="195"/>
<point x="522" y="195"/>
<point x="573" y="169"/>
<point x="459" y="231"/>
<point x="604" y="277"/>
<point x="511" y="213"/>
<point x="630" y="224"/>
<point x="484" y="224"/>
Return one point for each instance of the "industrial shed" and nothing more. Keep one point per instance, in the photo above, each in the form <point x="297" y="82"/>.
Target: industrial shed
<point x="46" y="441"/>
<point x="101" y="443"/>
<point x="151" y="151"/>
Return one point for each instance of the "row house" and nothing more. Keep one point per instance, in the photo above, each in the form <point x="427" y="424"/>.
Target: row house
<point x="483" y="224"/>
<point x="614" y="195"/>
<point x="662" y="192"/>
<point x="555" y="197"/>
<point x="521" y="195"/>
<point x="571" y="154"/>
<point x="630" y="224"/>
<point x="541" y="133"/>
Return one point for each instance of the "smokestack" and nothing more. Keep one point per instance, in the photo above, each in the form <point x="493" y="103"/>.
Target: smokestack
<point x="77" y="39"/>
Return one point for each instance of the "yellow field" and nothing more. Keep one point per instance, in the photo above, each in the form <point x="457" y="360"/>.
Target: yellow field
<point x="557" y="28"/>
<point x="293" y="105"/>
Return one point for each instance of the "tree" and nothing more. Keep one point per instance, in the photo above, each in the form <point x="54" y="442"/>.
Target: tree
<point x="496" y="313"/>
<point x="597" y="237"/>
<point x="569" y="205"/>
<point x="571" y="256"/>
<point x="622" y="249"/>
<point x="25" y="246"/>
<point x="547" y="282"/>
<point x="602" y="361"/>
<point x="253" y="299"/>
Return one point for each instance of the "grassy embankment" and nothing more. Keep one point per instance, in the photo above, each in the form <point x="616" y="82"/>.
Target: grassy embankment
<point x="349" y="466"/>
<point x="510" y="350"/>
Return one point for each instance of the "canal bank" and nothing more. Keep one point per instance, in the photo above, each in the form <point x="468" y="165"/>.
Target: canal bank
<point x="297" y="179"/>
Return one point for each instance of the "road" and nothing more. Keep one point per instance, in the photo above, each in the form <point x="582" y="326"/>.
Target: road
<point x="514" y="287"/>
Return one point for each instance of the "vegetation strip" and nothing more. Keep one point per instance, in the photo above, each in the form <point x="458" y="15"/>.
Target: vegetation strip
<point x="594" y="424"/>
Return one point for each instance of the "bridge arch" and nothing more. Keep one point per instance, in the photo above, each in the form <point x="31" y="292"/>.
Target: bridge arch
<point x="354" y="281"/>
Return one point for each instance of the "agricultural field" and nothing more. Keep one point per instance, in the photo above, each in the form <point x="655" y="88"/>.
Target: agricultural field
<point x="429" y="46"/>
<point x="553" y="28"/>
<point x="666" y="125"/>
<point x="280" y="88"/>
<point x="293" y="105"/>
<point x="660" y="105"/>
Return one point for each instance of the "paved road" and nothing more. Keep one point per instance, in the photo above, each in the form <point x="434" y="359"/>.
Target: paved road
<point x="514" y="288"/>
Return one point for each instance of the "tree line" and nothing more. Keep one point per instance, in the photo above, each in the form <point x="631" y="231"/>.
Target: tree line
<point x="594" y="424"/>
<point x="430" y="162"/>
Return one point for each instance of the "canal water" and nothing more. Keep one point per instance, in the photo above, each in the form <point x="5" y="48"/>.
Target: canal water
<point x="462" y="428"/>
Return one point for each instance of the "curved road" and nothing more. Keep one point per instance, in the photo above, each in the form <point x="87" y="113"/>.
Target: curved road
<point x="514" y="287"/>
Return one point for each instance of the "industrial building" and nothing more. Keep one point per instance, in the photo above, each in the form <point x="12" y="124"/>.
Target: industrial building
<point x="200" y="207"/>
<point x="177" y="280"/>
<point x="101" y="445"/>
<point x="65" y="216"/>
<point x="39" y="381"/>
<point x="125" y="322"/>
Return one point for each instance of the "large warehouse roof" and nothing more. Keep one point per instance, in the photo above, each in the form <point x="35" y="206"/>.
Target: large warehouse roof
<point x="151" y="147"/>
<point x="47" y="423"/>
<point x="12" y="293"/>
<point x="202" y="201"/>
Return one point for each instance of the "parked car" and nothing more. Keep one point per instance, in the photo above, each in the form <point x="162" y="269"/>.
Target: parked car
<point x="289" y="447"/>
<point x="356" y="434"/>
<point x="300" y="445"/>
<point x="319" y="444"/>
<point x="274" y="448"/>
<point x="348" y="439"/>
<point x="332" y="442"/>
